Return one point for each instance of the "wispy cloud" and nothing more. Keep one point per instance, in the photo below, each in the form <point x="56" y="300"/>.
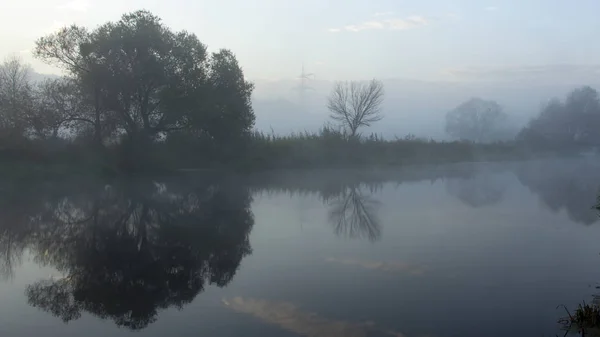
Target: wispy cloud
<point x="491" y="8"/>
<point x="383" y="14"/>
<point x="76" y="6"/>
<point x="451" y="16"/>
<point x="365" y="26"/>
<point x="525" y="72"/>
<point x="394" y="266"/>
<point x="410" y="22"/>
<point x="290" y="317"/>
<point x="56" y="25"/>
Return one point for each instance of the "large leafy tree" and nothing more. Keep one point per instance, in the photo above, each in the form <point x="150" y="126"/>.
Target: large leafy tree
<point x="152" y="81"/>
<point x="475" y="120"/>
<point x="566" y="123"/>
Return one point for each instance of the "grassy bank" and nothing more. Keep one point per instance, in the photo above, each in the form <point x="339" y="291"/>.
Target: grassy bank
<point x="329" y="149"/>
<point x="258" y="152"/>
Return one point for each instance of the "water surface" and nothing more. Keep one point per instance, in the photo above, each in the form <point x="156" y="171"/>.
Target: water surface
<point x="457" y="250"/>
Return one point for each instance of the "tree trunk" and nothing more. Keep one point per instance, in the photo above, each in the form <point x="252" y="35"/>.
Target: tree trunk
<point x="97" y="125"/>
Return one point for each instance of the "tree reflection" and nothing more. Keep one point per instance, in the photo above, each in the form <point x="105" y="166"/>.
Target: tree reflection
<point x="18" y="205"/>
<point x="353" y="215"/>
<point x="129" y="250"/>
<point x="477" y="189"/>
<point x="569" y="186"/>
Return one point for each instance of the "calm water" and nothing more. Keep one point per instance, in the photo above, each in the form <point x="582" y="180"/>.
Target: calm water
<point x="461" y="250"/>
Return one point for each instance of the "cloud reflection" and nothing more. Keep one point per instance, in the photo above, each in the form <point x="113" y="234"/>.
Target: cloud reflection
<point x="291" y="318"/>
<point x="381" y="266"/>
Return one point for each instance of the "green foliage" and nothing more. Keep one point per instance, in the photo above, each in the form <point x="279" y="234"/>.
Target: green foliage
<point x="585" y="320"/>
<point x="330" y="148"/>
<point x="475" y="120"/>
<point x="137" y="83"/>
<point x="566" y="125"/>
<point x="138" y="96"/>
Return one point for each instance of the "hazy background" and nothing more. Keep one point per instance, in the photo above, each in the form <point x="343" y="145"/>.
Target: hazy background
<point x="431" y="55"/>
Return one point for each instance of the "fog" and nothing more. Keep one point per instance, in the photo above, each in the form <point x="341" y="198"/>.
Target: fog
<point x="313" y="168"/>
<point x="411" y="106"/>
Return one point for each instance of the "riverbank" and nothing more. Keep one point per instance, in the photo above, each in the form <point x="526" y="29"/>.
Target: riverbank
<point x="260" y="153"/>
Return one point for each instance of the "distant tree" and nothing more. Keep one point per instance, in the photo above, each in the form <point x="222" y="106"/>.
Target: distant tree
<point x="583" y="107"/>
<point x="355" y="104"/>
<point x="574" y="121"/>
<point x="474" y="120"/>
<point x="478" y="189"/>
<point x="16" y="95"/>
<point x="152" y="81"/>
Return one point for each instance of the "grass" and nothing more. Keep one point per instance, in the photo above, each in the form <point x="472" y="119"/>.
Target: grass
<point x="325" y="149"/>
<point x="329" y="148"/>
<point x="585" y="320"/>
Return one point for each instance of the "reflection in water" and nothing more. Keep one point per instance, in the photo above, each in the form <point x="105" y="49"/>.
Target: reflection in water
<point x="127" y="251"/>
<point x="124" y="252"/>
<point x="353" y="215"/>
<point x="565" y="186"/>
<point x="11" y="252"/>
<point x="289" y="317"/>
<point x="478" y="189"/>
<point x="381" y="266"/>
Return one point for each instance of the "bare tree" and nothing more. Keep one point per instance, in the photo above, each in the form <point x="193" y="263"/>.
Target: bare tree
<point x="353" y="215"/>
<point x="355" y="104"/>
<point x="15" y="96"/>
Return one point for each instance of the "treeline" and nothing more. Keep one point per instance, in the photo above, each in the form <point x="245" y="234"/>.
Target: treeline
<point x="566" y="125"/>
<point x="132" y="90"/>
<point x="479" y="127"/>
<point x="138" y="96"/>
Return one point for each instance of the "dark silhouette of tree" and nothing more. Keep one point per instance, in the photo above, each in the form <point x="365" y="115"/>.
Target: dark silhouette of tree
<point x="16" y="95"/>
<point x="475" y="120"/>
<point x="128" y="252"/>
<point x="353" y="215"/>
<point x="150" y="81"/>
<point x="564" y="186"/>
<point x="565" y="124"/>
<point x="355" y="104"/>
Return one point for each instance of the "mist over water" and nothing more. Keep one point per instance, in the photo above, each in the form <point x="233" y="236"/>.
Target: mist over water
<point x="451" y="250"/>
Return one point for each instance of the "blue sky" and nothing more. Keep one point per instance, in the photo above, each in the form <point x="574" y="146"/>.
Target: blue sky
<point x="343" y="39"/>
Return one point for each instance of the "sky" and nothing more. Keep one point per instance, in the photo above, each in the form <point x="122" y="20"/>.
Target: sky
<point x="456" y="40"/>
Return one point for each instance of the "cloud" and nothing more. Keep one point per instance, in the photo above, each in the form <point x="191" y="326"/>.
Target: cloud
<point x="410" y="22"/>
<point x="383" y="14"/>
<point x="76" y="6"/>
<point x="292" y="318"/>
<point x="56" y="25"/>
<point x="394" y="266"/>
<point x="365" y="26"/>
<point x="525" y="71"/>
<point x="491" y="8"/>
<point x="452" y="16"/>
